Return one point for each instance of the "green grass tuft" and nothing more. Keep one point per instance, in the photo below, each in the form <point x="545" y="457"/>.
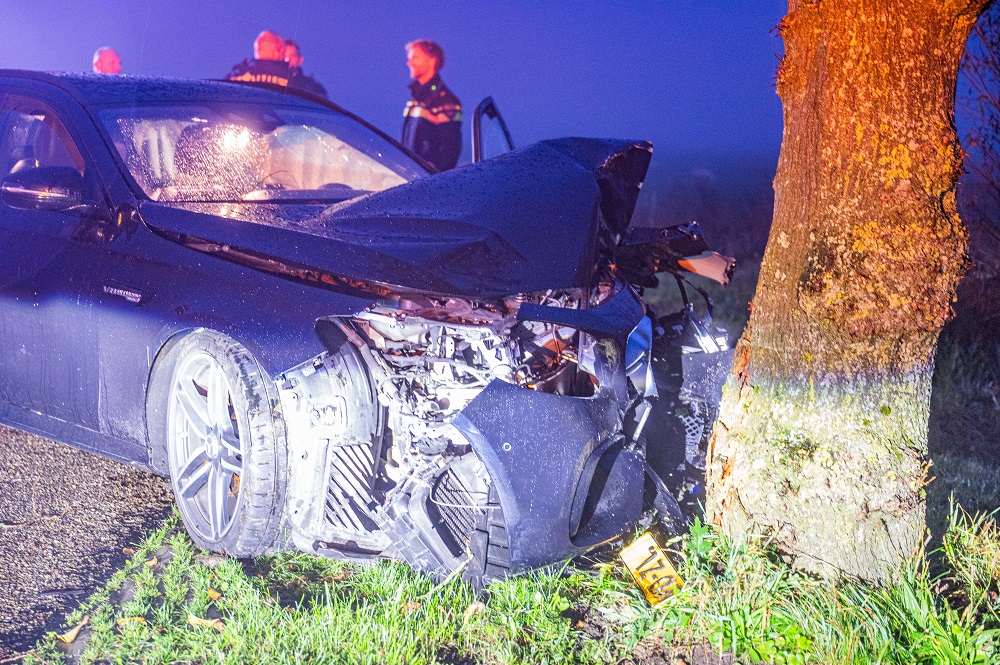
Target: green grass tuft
<point x="740" y="599"/>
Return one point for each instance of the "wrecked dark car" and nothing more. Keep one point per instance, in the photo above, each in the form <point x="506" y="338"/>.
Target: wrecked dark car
<point x="324" y="344"/>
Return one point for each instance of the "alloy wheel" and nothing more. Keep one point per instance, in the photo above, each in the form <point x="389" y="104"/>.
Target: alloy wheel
<point x="206" y="446"/>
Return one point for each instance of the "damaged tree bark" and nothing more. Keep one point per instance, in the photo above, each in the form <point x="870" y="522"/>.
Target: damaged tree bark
<point x="822" y="436"/>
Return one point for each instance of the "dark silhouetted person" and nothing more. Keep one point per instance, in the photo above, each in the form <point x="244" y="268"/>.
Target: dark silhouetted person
<point x="432" y="120"/>
<point x="300" y="80"/>
<point x="106" y="61"/>
<point x="268" y="64"/>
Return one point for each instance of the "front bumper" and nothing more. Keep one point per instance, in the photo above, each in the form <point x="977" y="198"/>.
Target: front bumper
<point x="567" y="476"/>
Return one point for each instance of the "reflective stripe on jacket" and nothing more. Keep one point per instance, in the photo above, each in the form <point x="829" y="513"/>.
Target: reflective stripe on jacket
<point x="275" y="72"/>
<point x="432" y="123"/>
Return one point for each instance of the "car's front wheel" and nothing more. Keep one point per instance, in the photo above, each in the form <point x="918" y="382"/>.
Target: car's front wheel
<point x="225" y="443"/>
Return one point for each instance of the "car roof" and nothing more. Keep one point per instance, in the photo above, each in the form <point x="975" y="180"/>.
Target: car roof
<point x="114" y="90"/>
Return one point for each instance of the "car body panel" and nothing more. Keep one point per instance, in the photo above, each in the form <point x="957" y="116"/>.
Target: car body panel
<point x="544" y="488"/>
<point x="525" y="221"/>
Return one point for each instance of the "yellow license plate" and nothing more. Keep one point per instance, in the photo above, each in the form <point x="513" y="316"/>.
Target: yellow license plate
<point x="651" y="568"/>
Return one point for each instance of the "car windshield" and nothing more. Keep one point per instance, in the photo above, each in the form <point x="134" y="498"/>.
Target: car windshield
<point x="246" y="152"/>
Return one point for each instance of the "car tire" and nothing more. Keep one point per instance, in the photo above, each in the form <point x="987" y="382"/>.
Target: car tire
<point x="217" y="415"/>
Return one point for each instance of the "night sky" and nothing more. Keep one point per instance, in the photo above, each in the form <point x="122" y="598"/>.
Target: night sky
<point x="695" y="76"/>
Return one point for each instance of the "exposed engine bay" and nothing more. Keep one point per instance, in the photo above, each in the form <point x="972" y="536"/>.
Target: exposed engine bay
<point x="378" y="465"/>
<point x="425" y="359"/>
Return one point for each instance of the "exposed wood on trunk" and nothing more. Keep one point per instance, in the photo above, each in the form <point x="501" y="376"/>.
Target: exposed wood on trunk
<point x="822" y="437"/>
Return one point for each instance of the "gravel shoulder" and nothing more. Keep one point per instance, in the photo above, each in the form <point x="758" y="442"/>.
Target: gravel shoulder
<point x="65" y="516"/>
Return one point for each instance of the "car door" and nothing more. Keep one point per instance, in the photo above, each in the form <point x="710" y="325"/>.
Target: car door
<point x="489" y="132"/>
<point x="48" y="351"/>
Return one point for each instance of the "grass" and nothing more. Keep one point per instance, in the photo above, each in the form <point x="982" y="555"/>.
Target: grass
<point x="740" y="598"/>
<point x="300" y="608"/>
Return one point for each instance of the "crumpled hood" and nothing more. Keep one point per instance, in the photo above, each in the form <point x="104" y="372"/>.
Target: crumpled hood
<point x="522" y="222"/>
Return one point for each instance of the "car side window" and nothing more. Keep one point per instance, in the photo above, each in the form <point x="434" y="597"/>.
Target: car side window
<point x="33" y="136"/>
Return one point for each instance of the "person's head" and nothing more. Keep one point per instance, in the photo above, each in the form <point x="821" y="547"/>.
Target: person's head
<point x="293" y="54"/>
<point x="106" y="61"/>
<point x="425" y="59"/>
<point x="269" y="46"/>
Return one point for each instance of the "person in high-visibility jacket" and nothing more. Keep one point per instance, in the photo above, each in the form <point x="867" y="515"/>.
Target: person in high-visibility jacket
<point x="432" y="120"/>
<point x="268" y="64"/>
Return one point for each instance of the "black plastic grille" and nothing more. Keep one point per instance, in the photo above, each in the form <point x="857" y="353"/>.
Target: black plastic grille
<point x="350" y="488"/>
<point x="456" y="511"/>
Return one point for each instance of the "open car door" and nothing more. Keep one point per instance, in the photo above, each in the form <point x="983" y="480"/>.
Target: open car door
<point x="489" y="132"/>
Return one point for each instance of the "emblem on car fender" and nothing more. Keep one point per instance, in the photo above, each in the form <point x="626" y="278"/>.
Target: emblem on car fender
<point x="131" y="296"/>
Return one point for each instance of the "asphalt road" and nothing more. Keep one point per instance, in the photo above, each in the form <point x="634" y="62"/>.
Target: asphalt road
<point x="65" y="516"/>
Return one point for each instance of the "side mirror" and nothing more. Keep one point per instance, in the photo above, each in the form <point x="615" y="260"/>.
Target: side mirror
<point x="55" y="188"/>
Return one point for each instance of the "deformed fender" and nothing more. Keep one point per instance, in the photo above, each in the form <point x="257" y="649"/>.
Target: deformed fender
<point x="540" y="450"/>
<point x="614" y="320"/>
<point x="565" y="475"/>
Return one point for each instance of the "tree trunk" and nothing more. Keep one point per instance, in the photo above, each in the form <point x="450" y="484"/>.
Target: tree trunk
<point x="821" y="442"/>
